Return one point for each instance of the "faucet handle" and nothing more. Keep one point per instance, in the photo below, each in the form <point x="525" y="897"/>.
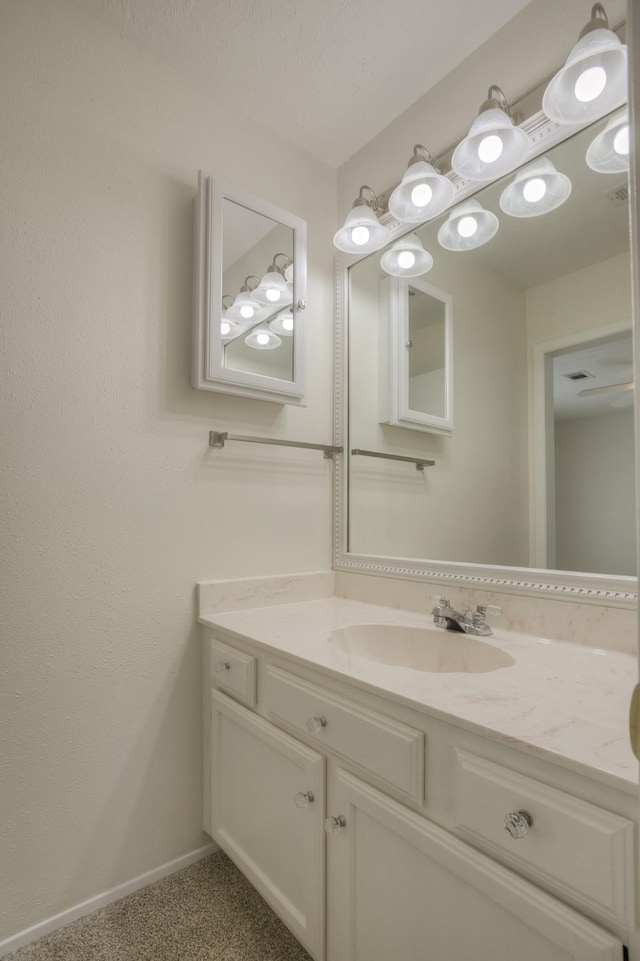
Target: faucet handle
<point x="440" y="601"/>
<point x="488" y="609"/>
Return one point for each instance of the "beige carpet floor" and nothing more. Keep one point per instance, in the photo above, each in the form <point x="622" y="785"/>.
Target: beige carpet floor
<point x="208" y="912"/>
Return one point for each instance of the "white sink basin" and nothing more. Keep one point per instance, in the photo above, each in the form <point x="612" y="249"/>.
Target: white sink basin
<point x="420" y="648"/>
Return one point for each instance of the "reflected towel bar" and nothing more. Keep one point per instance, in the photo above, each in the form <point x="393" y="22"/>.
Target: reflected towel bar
<point x="418" y="461"/>
<point x="217" y="439"/>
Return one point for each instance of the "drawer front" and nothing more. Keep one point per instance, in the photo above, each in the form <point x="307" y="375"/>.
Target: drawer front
<point x="234" y="672"/>
<point x="578" y="848"/>
<point x="388" y="749"/>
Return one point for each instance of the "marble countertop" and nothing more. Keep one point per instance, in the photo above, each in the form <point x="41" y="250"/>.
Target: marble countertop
<point x="559" y="701"/>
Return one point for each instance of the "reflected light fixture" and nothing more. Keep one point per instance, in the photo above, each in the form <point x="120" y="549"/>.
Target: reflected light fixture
<point x="262" y="340"/>
<point x="494" y="145"/>
<point x="244" y="308"/>
<point x="406" y="258"/>
<point x="609" y="152"/>
<point x="228" y="328"/>
<point x="272" y="291"/>
<point x="423" y="193"/>
<point x="468" y="225"/>
<point x="362" y="232"/>
<point x="537" y="188"/>
<point x="593" y="80"/>
<point x="283" y="323"/>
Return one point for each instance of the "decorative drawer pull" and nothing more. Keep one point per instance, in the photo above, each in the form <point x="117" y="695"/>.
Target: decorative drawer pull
<point x="333" y="825"/>
<point x="518" y="823"/>
<point x="221" y="666"/>
<point x="315" y="724"/>
<point x="304" y="799"/>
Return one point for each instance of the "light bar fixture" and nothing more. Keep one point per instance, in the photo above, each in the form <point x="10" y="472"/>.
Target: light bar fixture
<point x="494" y="145"/>
<point x="423" y="193"/>
<point x="362" y="232"/>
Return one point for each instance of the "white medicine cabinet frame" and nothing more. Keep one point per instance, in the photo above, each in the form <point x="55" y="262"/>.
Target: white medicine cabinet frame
<point x="220" y="242"/>
<point x="416" y="369"/>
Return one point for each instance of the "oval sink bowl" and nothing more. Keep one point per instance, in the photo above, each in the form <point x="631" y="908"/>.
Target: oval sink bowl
<point x="420" y="649"/>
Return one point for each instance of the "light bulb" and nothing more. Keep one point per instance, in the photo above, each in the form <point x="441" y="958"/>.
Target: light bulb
<point x="272" y="294"/>
<point x="246" y="311"/>
<point x="360" y="236"/>
<point x="287" y="323"/>
<point x="406" y="259"/>
<point x="225" y="328"/>
<point x="534" y="190"/>
<point x="490" y="148"/>
<point x="590" y="84"/>
<point x="262" y="339"/>
<point x="467" y="226"/>
<point x="621" y="141"/>
<point x="421" y="195"/>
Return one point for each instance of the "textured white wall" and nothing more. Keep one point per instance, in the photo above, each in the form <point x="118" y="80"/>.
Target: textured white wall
<point x="113" y="506"/>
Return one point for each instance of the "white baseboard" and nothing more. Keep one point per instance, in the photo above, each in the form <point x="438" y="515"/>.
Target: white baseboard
<point x="101" y="900"/>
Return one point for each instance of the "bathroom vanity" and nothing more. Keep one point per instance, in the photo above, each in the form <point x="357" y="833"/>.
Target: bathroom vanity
<point x="395" y="790"/>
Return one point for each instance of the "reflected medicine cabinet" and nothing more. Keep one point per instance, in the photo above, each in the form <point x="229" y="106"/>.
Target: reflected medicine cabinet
<point x="252" y="347"/>
<point x="416" y="362"/>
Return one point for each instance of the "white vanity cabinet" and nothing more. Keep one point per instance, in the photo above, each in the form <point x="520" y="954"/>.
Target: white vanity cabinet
<point x="388" y="856"/>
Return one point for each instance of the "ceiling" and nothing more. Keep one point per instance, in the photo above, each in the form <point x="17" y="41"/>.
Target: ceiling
<point x="327" y="75"/>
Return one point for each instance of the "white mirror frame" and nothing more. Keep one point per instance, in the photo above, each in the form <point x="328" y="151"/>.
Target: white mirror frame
<point x="208" y="371"/>
<point x="394" y="377"/>
<point x="602" y="589"/>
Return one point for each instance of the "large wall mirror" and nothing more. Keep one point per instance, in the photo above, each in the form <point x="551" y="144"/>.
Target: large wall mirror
<point x="536" y="481"/>
<point x="249" y="296"/>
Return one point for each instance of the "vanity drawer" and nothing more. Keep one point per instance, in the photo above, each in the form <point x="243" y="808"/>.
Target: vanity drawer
<point x="234" y="671"/>
<point x="578" y="848"/>
<point x="388" y="749"/>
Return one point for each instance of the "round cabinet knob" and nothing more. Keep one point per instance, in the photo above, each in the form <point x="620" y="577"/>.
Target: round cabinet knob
<point x="304" y="799"/>
<point x="333" y="825"/>
<point x="518" y="823"/>
<point x="221" y="666"/>
<point x="301" y="305"/>
<point x="315" y="724"/>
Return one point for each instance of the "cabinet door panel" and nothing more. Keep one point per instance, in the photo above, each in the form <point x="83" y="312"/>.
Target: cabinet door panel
<point x="257" y="772"/>
<point x="400" y="887"/>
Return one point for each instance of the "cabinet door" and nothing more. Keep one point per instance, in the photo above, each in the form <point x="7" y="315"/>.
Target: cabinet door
<point x="259" y="777"/>
<point x="401" y="887"/>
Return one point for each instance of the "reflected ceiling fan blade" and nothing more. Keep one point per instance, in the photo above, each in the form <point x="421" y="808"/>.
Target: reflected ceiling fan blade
<point x="609" y="389"/>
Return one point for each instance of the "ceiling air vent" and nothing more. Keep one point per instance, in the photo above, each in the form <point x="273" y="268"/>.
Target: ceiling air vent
<point x="578" y="375"/>
<point x="618" y="195"/>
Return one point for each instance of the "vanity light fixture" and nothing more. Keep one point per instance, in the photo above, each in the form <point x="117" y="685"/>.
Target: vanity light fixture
<point x="406" y="258"/>
<point x="272" y="291"/>
<point x="283" y="323"/>
<point x="362" y="232"/>
<point x="593" y="81"/>
<point x="245" y="308"/>
<point x="609" y="152"/>
<point x="468" y="225"/>
<point x="537" y="188"/>
<point x="423" y="193"/>
<point x="228" y="328"/>
<point x="262" y="340"/>
<point x="494" y="144"/>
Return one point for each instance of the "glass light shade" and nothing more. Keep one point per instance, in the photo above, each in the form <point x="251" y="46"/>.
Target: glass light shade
<point x="538" y="188"/>
<point x="422" y="194"/>
<point x="288" y="273"/>
<point x="229" y="329"/>
<point x="609" y="152"/>
<point x="493" y="147"/>
<point x="262" y="340"/>
<point x="272" y="291"/>
<point x="282" y="324"/>
<point x="245" y="309"/>
<point x="468" y="225"/>
<point x="406" y="258"/>
<point x="362" y="232"/>
<point x="592" y="82"/>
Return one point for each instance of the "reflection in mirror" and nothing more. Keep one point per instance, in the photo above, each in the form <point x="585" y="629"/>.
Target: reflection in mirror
<point x="257" y="253"/>
<point x="504" y="489"/>
<point x="426" y="347"/>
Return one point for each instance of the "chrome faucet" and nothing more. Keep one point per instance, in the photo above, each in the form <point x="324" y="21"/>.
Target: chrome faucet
<point x="469" y="622"/>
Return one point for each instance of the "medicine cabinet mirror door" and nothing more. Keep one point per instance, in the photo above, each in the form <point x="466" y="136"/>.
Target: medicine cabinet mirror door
<point x="416" y="369"/>
<point x="249" y="296"/>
